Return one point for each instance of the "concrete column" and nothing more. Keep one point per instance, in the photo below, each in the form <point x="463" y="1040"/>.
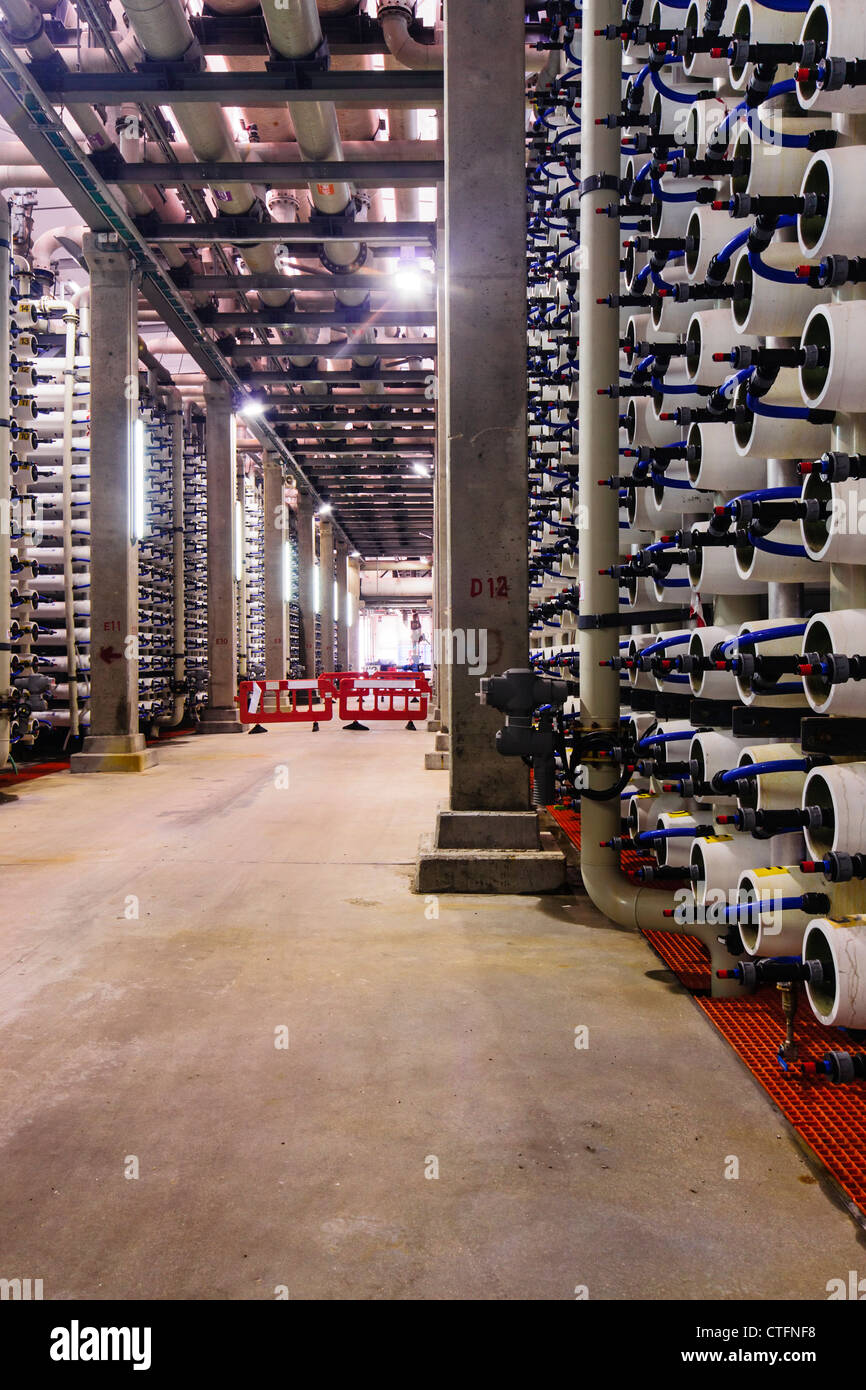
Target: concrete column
<point x="354" y="583"/>
<point x="342" y="551"/>
<point x="306" y="577"/>
<point x="114" y="743"/>
<point x="220" y="715"/>
<point x="326" y="590"/>
<point x="441" y="614"/>
<point x="276" y="539"/>
<point x="484" y="351"/>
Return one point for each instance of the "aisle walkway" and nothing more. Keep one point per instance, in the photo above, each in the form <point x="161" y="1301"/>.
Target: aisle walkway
<point x="413" y="1040"/>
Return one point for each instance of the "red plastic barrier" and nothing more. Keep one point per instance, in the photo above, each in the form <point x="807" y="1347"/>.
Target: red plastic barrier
<point x="284" y="702"/>
<point x="398" y="696"/>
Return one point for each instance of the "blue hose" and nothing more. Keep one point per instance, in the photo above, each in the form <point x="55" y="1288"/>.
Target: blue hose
<point x="737" y="774"/>
<point x="764" y="634"/>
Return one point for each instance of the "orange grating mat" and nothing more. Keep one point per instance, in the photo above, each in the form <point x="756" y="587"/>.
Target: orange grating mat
<point x="569" y="819"/>
<point x="831" y="1120"/>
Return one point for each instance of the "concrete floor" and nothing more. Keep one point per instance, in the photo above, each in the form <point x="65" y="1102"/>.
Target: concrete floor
<point x="410" y="1037"/>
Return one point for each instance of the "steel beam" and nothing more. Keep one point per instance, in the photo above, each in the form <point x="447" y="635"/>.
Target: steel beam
<point x="235" y="230"/>
<point x="313" y="318"/>
<point x="168" y="82"/>
<point x="379" y="173"/>
<point x="392" y="348"/>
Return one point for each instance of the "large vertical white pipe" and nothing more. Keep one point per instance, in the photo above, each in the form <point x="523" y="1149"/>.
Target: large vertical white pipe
<point x="70" y="321"/>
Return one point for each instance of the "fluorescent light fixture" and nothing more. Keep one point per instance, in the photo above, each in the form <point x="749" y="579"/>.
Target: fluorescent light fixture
<point x="317" y="597"/>
<point x="137" y="524"/>
<point x="239" y="541"/>
<point x="252" y="407"/>
<point x="287" y="571"/>
<point x="336" y="597"/>
<point x="421" y="469"/>
<point x="350" y="615"/>
<point x="325" y="509"/>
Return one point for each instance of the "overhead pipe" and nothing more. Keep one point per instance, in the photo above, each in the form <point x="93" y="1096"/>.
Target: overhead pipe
<point x="25" y="28"/>
<point x="395" y="16"/>
<point x="295" y="32"/>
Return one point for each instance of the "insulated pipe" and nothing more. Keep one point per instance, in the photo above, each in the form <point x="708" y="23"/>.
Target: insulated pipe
<point x="840" y="946"/>
<point x="395" y="16"/>
<point x="162" y="29"/>
<point x="25" y="29"/>
<point x="5" y="454"/>
<point x="840" y="792"/>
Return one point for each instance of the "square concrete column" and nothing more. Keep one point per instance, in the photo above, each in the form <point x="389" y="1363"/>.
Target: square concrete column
<point x="114" y="743"/>
<point x="306" y="579"/>
<point x="342" y="552"/>
<point x="354" y="589"/>
<point x="484" y="352"/>
<point x="326" y="591"/>
<point x="489" y="841"/>
<point x="220" y="715"/>
<point x="441" y="615"/>
<point x="276" y="535"/>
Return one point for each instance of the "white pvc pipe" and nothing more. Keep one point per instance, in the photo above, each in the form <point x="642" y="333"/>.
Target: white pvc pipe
<point x="675" y="852"/>
<point x="839" y="175"/>
<point x="772" y="930"/>
<point x="775" y="646"/>
<point x="710" y="685"/>
<point x="711" y="330"/>
<point x="774" y="436"/>
<point x="710" y="229"/>
<point x="720" y="859"/>
<point x="840" y="945"/>
<point x="770" y="791"/>
<point x="759" y="25"/>
<point x="716" y="467"/>
<point x="713" y="573"/>
<point x="838" y="537"/>
<point x="771" y="309"/>
<point x="841" y="328"/>
<point x="842" y="24"/>
<point x="842" y="631"/>
<point x="840" y="791"/>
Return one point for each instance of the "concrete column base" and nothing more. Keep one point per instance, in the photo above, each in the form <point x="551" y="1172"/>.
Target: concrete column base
<point x="437" y="762"/>
<point x="443" y="743"/>
<point x="113" y="753"/>
<point x="217" y="719"/>
<point x="488" y="852"/>
<point x="433" y="726"/>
